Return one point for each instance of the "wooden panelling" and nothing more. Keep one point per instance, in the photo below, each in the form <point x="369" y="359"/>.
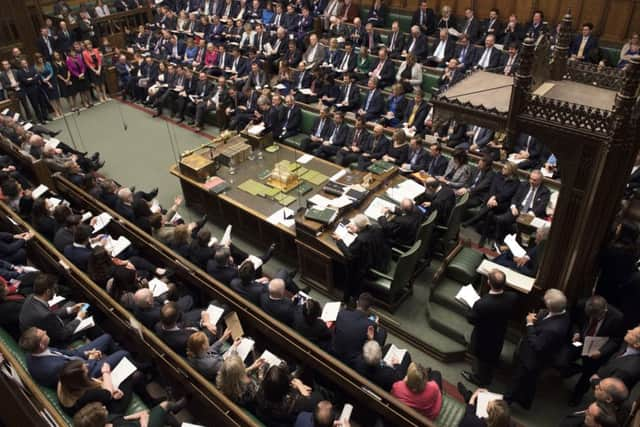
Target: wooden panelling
<point x="618" y="19"/>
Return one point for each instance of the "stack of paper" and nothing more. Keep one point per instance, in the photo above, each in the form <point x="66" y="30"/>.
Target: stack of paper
<point x="122" y="371"/>
<point x="257" y="262"/>
<point x="270" y="358"/>
<point x="85" y="323"/>
<point x="115" y="247"/>
<point x="376" y="208"/>
<point x="282" y="216"/>
<point x="516" y="250"/>
<point x="467" y="295"/>
<point x="330" y="311"/>
<point x="226" y="237"/>
<point x="215" y="313"/>
<point x="158" y="287"/>
<point x="155" y="206"/>
<point x="39" y="191"/>
<point x="343" y="234"/>
<point x="55" y="300"/>
<point x="394" y="354"/>
<point x="101" y="221"/>
<point x="243" y="348"/>
<point x="336" y="176"/>
<point x="484" y="397"/>
<point x="86" y="216"/>
<point x="341" y="202"/>
<point x="408" y="189"/>
<point x="304" y="159"/>
<point x="256" y="130"/>
<point x="593" y="344"/>
<point x="539" y="223"/>
<point x="319" y="200"/>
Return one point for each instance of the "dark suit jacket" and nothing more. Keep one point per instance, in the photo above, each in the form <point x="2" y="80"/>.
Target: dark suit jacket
<point x="176" y="340"/>
<point x="341" y="135"/>
<point x="350" y="334"/>
<point x="382" y="375"/>
<point x="354" y="96"/>
<point x="544" y="340"/>
<point x="437" y="165"/>
<point x="490" y="317"/>
<point x="398" y="45"/>
<point x="77" y="255"/>
<point x="365" y="40"/>
<point x="540" y="201"/>
<point x="402" y="228"/>
<point x="515" y="36"/>
<point x="421" y="114"/>
<point x="590" y="48"/>
<point x="327" y="128"/>
<point x="481" y="189"/>
<point x="473" y="31"/>
<point x="281" y="309"/>
<point x="421" y="160"/>
<point x="37" y="313"/>
<point x="428" y="21"/>
<point x="368" y="250"/>
<point x="43" y="49"/>
<point x="495" y="58"/>
<point x="387" y="74"/>
<point x="224" y="274"/>
<point x="376" y="104"/>
<point x="497" y="30"/>
<point x="302" y="77"/>
<point x="420" y="47"/>
<point x="294" y="119"/>
<point x="379" y="147"/>
<point x="465" y="55"/>
<point x="612" y="326"/>
<point x="444" y="201"/>
<point x="449" y="49"/>
<point x="149" y="317"/>
<point x="626" y="368"/>
<point x="535" y="147"/>
<point x="46" y="369"/>
<point x="251" y="292"/>
<point x="317" y="332"/>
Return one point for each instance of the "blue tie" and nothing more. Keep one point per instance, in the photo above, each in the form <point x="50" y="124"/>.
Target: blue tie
<point x="366" y="107"/>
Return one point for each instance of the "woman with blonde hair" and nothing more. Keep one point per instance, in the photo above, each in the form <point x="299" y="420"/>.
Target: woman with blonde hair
<point x="498" y="414"/>
<point x="234" y="380"/>
<point x="206" y="358"/>
<point x="399" y="149"/>
<point x="93" y="60"/>
<point x="420" y="390"/>
<point x="410" y="73"/>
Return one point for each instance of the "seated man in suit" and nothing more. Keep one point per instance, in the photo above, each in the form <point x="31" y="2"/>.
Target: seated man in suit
<point x="301" y="80"/>
<point x="320" y="132"/>
<point x="360" y="142"/>
<point x="400" y="227"/>
<point x="442" y="51"/>
<point x="370" y="39"/>
<point x="526" y="152"/>
<point x="395" y="41"/>
<point x="528" y="263"/>
<point x="382" y="69"/>
<point x="437" y="197"/>
<point x="382" y="373"/>
<point x="147" y="309"/>
<point x="353" y="328"/>
<point x="594" y="318"/>
<point x="465" y="53"/>
<point x="379" y="146"/>
<point x="493" y="26"/>
<point x="479" y="183"/>
<point x="471" y="26"/>
<point x="585" y="46"/>
<point x="546" y="335"/>
<point x="418" y="157"/>
<point x="349" y="98"/>
<point x="80" y="251"/>
<point x="477" y="137"/>
<point x="246" y="285"/>
<point x="336" y="139"/>
<point x="625" y="362"/>
<point x="12" y="246"/>
<point x="175" y="332"/>
<point x="61" y="323"/>
<point x="374" y="102"/>
<point x="222" y="266"/>
<point x="291" y="119"/>
<point x="416" y="112"/>
<point x="276" y="304"/>
<point x="348" y="60"/>
<point x="488" y="58"/>
<point x="416" y="44"/>
<point x="45" y="363"/>
<point x="532" y="197"/>
<point x="437" y="163"/>
<point x="511" y="61"/>
<point x="315" y="53"/>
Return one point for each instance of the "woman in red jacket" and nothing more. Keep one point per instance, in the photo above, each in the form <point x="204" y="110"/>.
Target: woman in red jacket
<point x="93" y="60"/>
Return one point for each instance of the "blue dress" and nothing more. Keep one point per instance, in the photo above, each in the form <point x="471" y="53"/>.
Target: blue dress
<point x="394" y="103"/>
<point x="46" y="72"/>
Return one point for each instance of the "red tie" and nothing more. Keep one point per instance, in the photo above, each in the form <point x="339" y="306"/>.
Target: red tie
<point x="591" y="330"/>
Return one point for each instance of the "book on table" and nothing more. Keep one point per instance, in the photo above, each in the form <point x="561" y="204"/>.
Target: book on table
<point x="322" y="215"/>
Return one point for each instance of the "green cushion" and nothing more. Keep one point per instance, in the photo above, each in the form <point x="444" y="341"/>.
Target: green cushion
<point x="296" y="140"/>
<point x="404" y="21"/>
<point x="611" y="54"/>
<point x="463" y="266"/>
<point x="307" y="121"/>
<point x="429" y="82"/>
<point x="451" y="412"/>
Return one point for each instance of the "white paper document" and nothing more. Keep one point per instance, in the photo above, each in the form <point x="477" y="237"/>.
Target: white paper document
<point x="394" y="353"/>
<point x="539" y="223"/>
<point x="593" y="344"/>
<point x="282" y="216"/>
<point x="215" y="313"/>
<point x="341" y="202"/>
<point x="155" y="206"/>
<point x="515" y="280"/>
<point x="54" y="201"/>
<point x="256" y="130"/>
<point x="39" y="191"/>
<point x="306" y="91"/>
<point x="467" y="295"/>
<point x="101" y="221"/>
<point x="484" y="397"/>
<point x="243" y="348"/>
<point x="408" y="189"/>
<point x="330" y="311"/>
<point x="336" y="176"/>
<point x="86" y="216"/>
<point x="304" y="159"/>
<point x="85" y="323"/>
<point x="270" y="358"/>
<point x="28" y="126"/>
<point x="226" y="237"/>
<point x="116" y="247"/>
<point x="55" y="300"/>
<point x="122" y="371"/>
<point x="158" y="287"/>
<point x="257" y="262"/>
<point x="376" y="208"/>
<point x="516" y="250"/>
<point x="343" y="234"/>
<point x="319" y="200"/>
<point x="175" y="218"/>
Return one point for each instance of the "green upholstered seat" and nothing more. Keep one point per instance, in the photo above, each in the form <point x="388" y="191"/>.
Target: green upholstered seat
<point x="451" y="412"/>
<point x="449" y="234"/>
<point x="429" y="83"/>
<point x="611" y="55"/>
<point x="306" y="125"/>
<point x="404" y="21"/>
<point x="463" y="266"/>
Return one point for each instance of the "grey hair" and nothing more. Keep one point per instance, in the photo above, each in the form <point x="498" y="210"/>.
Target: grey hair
<point x="555" y="300"/>
<point x="360" y="221"/>
<point x="372" y="353"/>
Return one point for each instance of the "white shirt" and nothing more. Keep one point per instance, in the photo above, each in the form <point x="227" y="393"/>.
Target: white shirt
<point x="486" y="56"/>
<point x="439" y="53"/>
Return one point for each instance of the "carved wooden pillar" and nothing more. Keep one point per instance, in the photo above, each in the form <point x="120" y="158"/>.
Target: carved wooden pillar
<point x="561" y="51"/>
<point x="521" y="86"/>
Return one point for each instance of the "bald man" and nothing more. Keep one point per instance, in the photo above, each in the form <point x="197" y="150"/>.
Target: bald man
<point x="625" y="363"/>
<point x="400" y="226"/>
<point x="322" y="416"/>
<point x="276" y="303"/>
<point x="609" y="391"/>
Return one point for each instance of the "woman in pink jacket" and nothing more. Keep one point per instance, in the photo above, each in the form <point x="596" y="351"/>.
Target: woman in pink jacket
<point x="93" y="60"/>
<point x="79" y="79"/>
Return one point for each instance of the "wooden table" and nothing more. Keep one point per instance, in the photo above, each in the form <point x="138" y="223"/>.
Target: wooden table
<point x="320" y="261"/>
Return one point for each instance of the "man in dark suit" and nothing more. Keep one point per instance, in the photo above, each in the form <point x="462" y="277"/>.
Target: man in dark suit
<point x="148" y="310"/>
<point x="527" y="151"/>
<point x="493" y="26"/>
<point x="537" y="25"/>
<point x="425" y="19"/>
<point x="479" y="183"/>
<point x="45" y="44"/>
<point x="349" y="98"/>
<point x="30" y="82"/>
<point x="489" y="316"/>
<point x="488" y="58"/>
<point x="438" y="163"/>
<point x="465" y="53"/>
<point x="80" y="251"/>
<point x="513" y="31"/>
<point x="477" y="139"/>
<point x="416" y="44"/>
<point x="510" y="61"/>
<point x="358" y="142"/>
<point x="63" y="39"/>
<point x="610" y="392"/>
<point x="379" y="146"/>
<point x="291" y="119"/>
<point x="276" y="304"/>
<point x="382" y="69"/>
<point x="442" y="51"/>
<point x="634" y="179"/>
<point x="60" y="324"/>
<point x="373" y="105"/>
<point x="353" y="328"/>
<point x="222" y="267"/>
<point x="471" y="26"/>
<point x="336" y="139"/>
<point x="372" y="366"/>
<point x="201" y="92"/>
<point x="437" y="197"/>
<point x="246" y="285"/>
<point x="217" y="100"/>
<point x="400" y="226"/>
<point x="415" y="113"/>
<point x="301" y="80"/>
<point x="369" y="250"/>
<point x="321" y="131"/>
<point x="625" y="363"/>
<point x="545" y="337"/>
<point x="585" y="46"/>
<point x="395" y="41"/>
<point x="45" y="363"/>
<point x="532" y="197"/>
<point x="418" y="157"/>
<point x="594" y="318"/>
<point x="370" y="38"/>
<point x="175" y="332"/>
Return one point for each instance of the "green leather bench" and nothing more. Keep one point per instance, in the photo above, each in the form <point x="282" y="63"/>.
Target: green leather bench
<point x="136" y="403"/>
<point x="306" y="127"/>
<point x="462" y="267"/>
